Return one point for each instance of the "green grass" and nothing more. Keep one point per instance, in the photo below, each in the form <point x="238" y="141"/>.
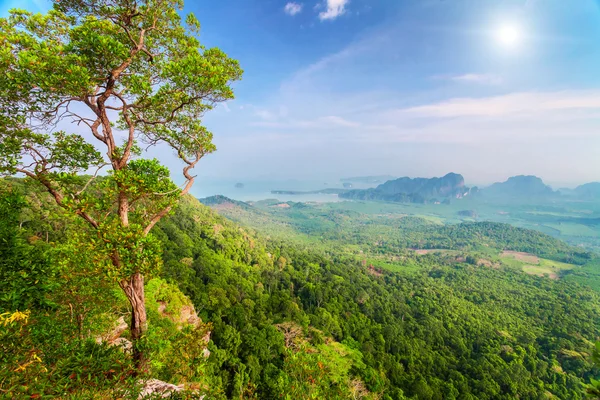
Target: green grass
<point x="544" y="267"/>
<point x="432" y="218"/>
<point x="538" y="270"/>
<point x="555" y="264"/>
<point x="574" y="229"/>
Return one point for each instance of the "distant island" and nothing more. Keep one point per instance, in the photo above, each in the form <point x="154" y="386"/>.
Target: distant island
<point x="239" y="185"/>
<point x="450" y="186"/>
<point x="520" y="186"/>
<point x="413" y="190"/>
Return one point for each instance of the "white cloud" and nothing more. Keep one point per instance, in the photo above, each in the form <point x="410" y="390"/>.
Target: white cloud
<point x="524" y="103"/>
<point x="265" y="115"/>
<point x="327" y="122"/>
<point x="482" y="79"/>
<point x="334" y="8"/>
<point x="318" y="123"/>
<point x="292" y="8"/>
<point x="339" y="121"/>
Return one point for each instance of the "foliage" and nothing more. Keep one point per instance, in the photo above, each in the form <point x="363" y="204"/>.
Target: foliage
<point x="593" y="388"/>
<point x="108" y="65"/>
<point x="306" y="323"/>
<point x="32" y="369"/>
<point x="444" y="330"/>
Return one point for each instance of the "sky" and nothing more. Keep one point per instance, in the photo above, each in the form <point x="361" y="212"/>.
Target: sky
<point x="335" y="88"/>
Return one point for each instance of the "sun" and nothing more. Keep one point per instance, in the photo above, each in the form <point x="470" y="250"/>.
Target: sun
<point x="509" y="35"/>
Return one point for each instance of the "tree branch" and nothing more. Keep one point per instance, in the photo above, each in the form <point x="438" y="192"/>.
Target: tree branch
<point x="58" y="197"/>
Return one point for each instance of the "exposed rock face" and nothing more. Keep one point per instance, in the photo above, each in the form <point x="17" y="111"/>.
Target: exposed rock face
<point x="113" y="337"/>
<point x="125" y="344"/>
<point x="187" y="315"/>
<point x="413" y="190"/>
<point x="118" y="330"/>
<point x="155" y="389"/>
<point x="178" y="308"/>
<point x="520" y="186"/>
<point x="446" y="186"/>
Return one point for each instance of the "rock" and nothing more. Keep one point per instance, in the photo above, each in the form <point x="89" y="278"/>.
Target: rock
<point x="155" y="388"/>
<point x="158" y="389"/>
<point x="111" y="336"/>
<point x="187" y="315"/>
<point x="125" y="344"/>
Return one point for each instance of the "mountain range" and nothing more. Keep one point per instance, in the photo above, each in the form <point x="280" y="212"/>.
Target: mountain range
<point x="588" y="191"/>
<point x="413" y="190"/>
<point x="452" y="185"/>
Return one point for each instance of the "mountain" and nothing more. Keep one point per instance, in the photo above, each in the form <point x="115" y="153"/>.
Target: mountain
<point x="413" y="190"/>
<point x="519" y="186"/>
<point x="588" y="190"/>
<point x="219" y="202"/>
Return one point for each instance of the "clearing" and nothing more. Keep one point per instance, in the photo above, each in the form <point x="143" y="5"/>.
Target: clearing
<point x="534" y="265"/>
<point x="521" y="256"/>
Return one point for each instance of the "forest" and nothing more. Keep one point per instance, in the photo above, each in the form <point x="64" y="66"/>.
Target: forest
<point x="117" y="283"/>
<point x="287" y="319"/>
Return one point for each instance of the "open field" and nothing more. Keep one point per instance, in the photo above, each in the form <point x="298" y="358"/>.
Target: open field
<point x="573" y="229"/>
<point x="521" y="256"/>
<point x="540" y="271"/>
<point x="534" y="265"/>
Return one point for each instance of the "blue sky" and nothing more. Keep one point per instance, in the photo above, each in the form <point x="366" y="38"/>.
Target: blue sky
<point x="336" y="88"/>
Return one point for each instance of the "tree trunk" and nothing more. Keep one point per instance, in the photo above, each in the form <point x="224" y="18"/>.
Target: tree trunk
<point x="134" y="290"/>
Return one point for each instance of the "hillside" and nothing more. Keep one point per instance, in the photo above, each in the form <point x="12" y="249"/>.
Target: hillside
<point x="399" y="322"/>
<point x="588" y="191"/>
<point x="521" y="186"/>
<point x="414" y="190"/>
<point x="288" y="318"/>
<point x="334" y="226"/>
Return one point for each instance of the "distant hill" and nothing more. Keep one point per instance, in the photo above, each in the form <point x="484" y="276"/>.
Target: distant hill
<point x="519" y="186"/>
<point x="220" y="201"/>
<point x="588" y="190"/>
<point x="413" y="190"/>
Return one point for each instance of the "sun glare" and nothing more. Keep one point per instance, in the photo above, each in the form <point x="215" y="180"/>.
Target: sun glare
<point x="509" y="35"/>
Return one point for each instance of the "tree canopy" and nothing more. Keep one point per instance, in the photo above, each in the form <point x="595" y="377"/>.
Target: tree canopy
<point x="85" y="86"/>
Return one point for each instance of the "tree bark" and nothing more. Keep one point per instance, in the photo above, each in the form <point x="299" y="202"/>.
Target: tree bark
<point x="134" y="290"/>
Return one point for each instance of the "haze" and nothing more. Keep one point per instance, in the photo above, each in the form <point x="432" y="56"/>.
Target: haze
<point x="420" y="88"/>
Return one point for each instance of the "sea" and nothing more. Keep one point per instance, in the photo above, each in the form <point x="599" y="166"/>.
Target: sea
<point x="257" y="189"/>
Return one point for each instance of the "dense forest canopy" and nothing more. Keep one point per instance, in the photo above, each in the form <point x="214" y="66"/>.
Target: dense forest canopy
<point x="289" y="320"/>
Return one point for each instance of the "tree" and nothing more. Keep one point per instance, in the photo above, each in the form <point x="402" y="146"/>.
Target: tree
<point x="125" y="73"/>
<point x="593" y="388"/>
